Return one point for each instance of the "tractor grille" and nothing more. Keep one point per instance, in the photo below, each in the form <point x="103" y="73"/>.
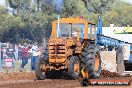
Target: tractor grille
<point x="57" y="51"/>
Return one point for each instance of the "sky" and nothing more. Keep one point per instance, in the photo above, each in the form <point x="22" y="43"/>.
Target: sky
<point x="2" y="2"/>
<point x="128" y="1"/>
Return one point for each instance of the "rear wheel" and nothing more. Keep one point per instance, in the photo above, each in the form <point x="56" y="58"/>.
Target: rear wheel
<point x="91" y="61"/>
<point x="74" y="67"/>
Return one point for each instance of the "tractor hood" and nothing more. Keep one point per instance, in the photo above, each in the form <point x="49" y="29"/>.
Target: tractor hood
<point x="61" y="41"/>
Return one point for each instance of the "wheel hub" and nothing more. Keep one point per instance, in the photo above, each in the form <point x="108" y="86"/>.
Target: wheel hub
<point x="43" y="68"/>
<point x="96" y="62"/>
<point x="76" y="67"/>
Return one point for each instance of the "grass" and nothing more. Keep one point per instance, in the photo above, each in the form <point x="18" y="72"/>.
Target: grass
<point x="17" y="65"/>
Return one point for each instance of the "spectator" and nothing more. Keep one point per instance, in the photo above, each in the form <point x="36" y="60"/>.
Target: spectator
<point x="2" y="56"/>
<point x="19" y="51"/>
<point x="34" y="51"/>
<point x="2" y="52"/>
<point x="24" y="56"/>
<point x="30" y="51"/>
<point x="40" y="51"/>
<point x="16" y="52"/>
<point x="10" y="53"/>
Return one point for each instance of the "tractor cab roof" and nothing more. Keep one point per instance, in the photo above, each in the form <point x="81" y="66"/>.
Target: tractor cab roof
<point x="72" y="20"/>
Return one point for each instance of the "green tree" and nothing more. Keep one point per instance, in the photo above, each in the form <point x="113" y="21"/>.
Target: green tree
<point x="111" y="17"/>
<point x="34" y="17"/>
<point x="73" y="8"/>
<point x="8" y="22"/>
<point x="19" y="5"/>
<point x="120" y="15"/>
<point x="98" y="6"/>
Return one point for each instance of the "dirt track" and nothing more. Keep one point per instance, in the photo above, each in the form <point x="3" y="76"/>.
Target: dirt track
<point x="41" y="84"/>
<point x="28" y="80"/>
<point x="49" y="84"/>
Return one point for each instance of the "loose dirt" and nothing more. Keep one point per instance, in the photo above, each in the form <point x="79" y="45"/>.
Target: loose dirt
<point x="28" y="80"/>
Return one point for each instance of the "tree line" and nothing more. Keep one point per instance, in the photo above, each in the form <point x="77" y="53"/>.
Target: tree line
<point x="31" y="19"/>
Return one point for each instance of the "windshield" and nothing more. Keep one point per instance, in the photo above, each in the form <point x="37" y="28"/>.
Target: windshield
<point x="66" y="30"/>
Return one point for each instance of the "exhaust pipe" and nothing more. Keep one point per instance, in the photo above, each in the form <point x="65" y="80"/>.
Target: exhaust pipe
<point x="58" y="27"/>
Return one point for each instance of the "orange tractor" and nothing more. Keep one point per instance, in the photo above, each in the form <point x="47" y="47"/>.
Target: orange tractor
<point x="72" y="48"/>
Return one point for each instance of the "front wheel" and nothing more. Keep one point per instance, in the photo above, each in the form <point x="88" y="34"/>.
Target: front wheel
<point x="74" y="67"/>
<point x="40" y="68"/>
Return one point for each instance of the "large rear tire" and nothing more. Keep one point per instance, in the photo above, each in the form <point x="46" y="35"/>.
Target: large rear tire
<point x="91" y="61"/>
<point x="74" y="67"/>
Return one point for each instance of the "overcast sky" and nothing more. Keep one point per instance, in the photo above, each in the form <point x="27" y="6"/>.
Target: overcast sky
<point x="2" y="2"/>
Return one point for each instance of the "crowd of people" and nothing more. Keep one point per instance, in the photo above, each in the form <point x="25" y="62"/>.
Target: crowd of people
<point x="22" y="52"/>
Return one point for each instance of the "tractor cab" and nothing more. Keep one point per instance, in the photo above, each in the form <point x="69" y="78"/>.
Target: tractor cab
<point x="70" y="30"/>
<point x="73" y="28"/>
